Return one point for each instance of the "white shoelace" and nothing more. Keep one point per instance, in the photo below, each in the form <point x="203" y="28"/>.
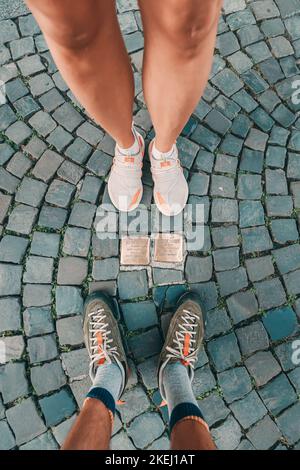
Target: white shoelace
<point x="187" y="326"/>
<point x="98" y="324"/>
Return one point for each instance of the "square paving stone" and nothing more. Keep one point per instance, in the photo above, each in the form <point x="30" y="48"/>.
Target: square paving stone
<point x="283" y="116"/>
<point x="68" y="117"/>
<point x="256" y="140"/>
<point x="72" y="271"/>
<point x="99" y="163"/>
<point x="42" y="348"/>
<point x="213" y="409"/>
<point x="235" y="383"/>
<point x="256" y="239"/>
<point x="241" y="126"/>
<point x="105" y="246"/>
<point x="232" y="145"/>
<point x="258" y="52"/>
<point x="13" y="382"/>
<point x="47" y="165"/>
<point x="77" y="241"/>
<point x="166" y="276"/>
<point x="18" y="132"/>
<point x="218" y="122"/>
<point x="292" y="282"/>
<point x="45" y="244"/>
<point x="52" y="217"/>
<point x="70" y="172"/>
<point x="279" y="136"/>
<point x="227" y="44"/>
<point x="224" y="210"/>
<point x="10" y="319"/>
<point x="38" y="270"/>
<point x="60" y="193"/>
<point x="90" y="189"/>
<point x="38" y="321"/>
<point x="294" y="377"/>
<point x="198" y="269"/>
<point x="269" y="100"/>
<point x="224" y="352"/>
<point x="227" y="81"/>
<point x="90" y="133"/>
<point x="36" y="295"/>
<point x="145" y="344"/>
<point x="287" y="258"/>
<point x="275" y="156"/>
<point x="208" y="139"/>
<point x="263" y="367"/>
<point x="242" y="306"/>
<point x="226" y="164"/>
<point x="139" y="315"/>
<point x="271" y="70"/>
<point x="204" y="161"/>
<point x="225" y="259"/>
<point x="281" y="47"/>
<point x="249" y="410"/>
<point x="12" y="249"/>
<point x="133" y="284"/>
<point x="270" y="293"/>
<point x="7" y="440"/>
<point x="57" y="407"/>
<point x="232" y="281"/>
<point x="289" y="423"/>
<point x="222" y="186"/>
<point x="7" y="117"/>
<point x="225" y="236"/>
<point x="25" y="422"/>
<point x="284" y="353"/>
<point x="204" y="381"/>
<point x="16" y="89"/>
<point x="8" y="182"/>
<point x="276" y="182"/>
<point x="105" y="270"/>
<point x="31" y="192"/>
<point x="228" y="435"/>
<point x="240" y="62"/>
<point x="278" y="394"/>
<point x="10" y="279"/>
<point x="43" y="123"/>
<point x="14" y="347"/>
<point x="60" y="139"/>
<point x="293" y="170"/>
<point x="82" y="214"/>
<point x="264" y="434"/>
<point x="5" y="202"/>
<point x="51" y="100"/>
<point x="40" y="84"/>
<point x="69" y="331"/>
<point x="43" y="442"/>
<point x="138" y="403"/>
<point x="76" y="363"/>
<point x="199" y="184"/>
<point x="249" y="187"/>
<point x="217" y="322"/>
<point x="156" y="428"/>
<point x="280" y="323"/>
<point x="279" y="206"/>
<point x="30" y="65"/>
<point x="35" y="147"/>
<point x="19" y="165"/>
<point x="251" y="214"/>
<point x="252" y="338"/>
<point x="68" y="301"/>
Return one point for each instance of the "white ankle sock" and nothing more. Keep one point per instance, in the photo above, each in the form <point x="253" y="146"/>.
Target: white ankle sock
<point x="158" y="155"/>
<point x="134" y="149"/>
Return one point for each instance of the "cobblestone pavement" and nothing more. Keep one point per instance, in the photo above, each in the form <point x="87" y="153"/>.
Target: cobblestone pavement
<point x="241" y="153"/>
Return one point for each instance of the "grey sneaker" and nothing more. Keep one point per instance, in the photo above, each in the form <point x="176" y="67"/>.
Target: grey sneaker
<point x="102" y="335"/>
<point x="184" y="338"/>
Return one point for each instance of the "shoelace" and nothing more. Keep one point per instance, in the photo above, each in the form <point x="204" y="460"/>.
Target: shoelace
<point x="184" y="341"/>
<point x="100" y="339"/>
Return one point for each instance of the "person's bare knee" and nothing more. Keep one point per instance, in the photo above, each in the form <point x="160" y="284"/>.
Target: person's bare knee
<point x="71" y="25"/>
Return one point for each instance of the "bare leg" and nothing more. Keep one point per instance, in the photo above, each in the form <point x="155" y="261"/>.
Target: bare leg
<point x="92" y="428"/>
<point x="191" y="435"/>
<point x="85" y="41"/>
<point x="179" y="43"/>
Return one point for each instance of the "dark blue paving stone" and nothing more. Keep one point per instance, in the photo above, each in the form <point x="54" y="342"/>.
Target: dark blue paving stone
<point x="187" y="151"/>
<point x="262" y="119"/>
<point x="52" y="217"/>
<point x="269" y="100"/>
<point x="249" y="410"/>
<point x="229" y="108"/>
<point x="25" y="421"/>
<point x="283" y="116"/>
<point x="245" y="100"/>
<point x="225" y="236"/>
<point x="208" y="294"/>
<point x="13" y="382"/>
<point x="254" y="81"/>
<point x="276" y="182"/>
<point x="286" y="356"/>
<point x="218" y="122"/>
<point x="232" y="145"/>
<point x="294" y="377"/>
<point x="189" y="127"/>
<point x="217" y="322"/>
<point x="12" y="249"/>
<point x="6" y="151"/>
<point x="198" y="269"/>
<point x="292" y="282"/>
<point x="242" y="306"/>
<point x="275" y="156"/>
<point x="279" y="206"/>
<point x="208" y="139"/>
<point x="284" y="231"/>
<point x="241" y="125"/>
<point x="26" y="106"/>
<point x="263" y="367"/>
<point x="204" y="161"/>
<point x="38" y="321"/>
<point x="42" y="348"/>
<point x="252" y="161"/>
<point x="251" y="214"/>
<point x="224" y="352"/>
<point x="288" y="258"/>
<point x="7" y="117"/>
<point x="225" y="259"/>
<point x="278" y="394"/>
<point x="173" y="294"/>
<point x="210" y="93"/>
<point x="289" y="423"/>
<point x="228" y="435"/>
<point x="271" y="70"/>
<point x="249" y="187"/>
<point x="235" y="383"/>
<point x="202" y="109"/>
<point x="232" y="281"/>
<point x="224" y="78"/>
<point x="213" y="409"/>
<point x="256" y="239"/>
<point x="289" y="64"/>
<point x="203" y="381"/>
<point x="45" y="244"/>
<point x="139" y="315"/>
<point x="252" y="338"/>
<point x="133" y="284"/>
<point x="199" y="184"/>
<point x="48" y="377"/>
<point x="57" y="407"/>
<point x="264" y="434"/>
<point x="11" y="321"/>
<point x="145" y="344"/>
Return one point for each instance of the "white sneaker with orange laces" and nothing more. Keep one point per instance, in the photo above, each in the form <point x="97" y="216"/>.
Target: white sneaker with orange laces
<point x="170" y="186"/>
<point x="125" y="186"/>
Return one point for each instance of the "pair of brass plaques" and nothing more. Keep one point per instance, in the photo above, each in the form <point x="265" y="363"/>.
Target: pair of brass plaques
<point x="168" y="248"/>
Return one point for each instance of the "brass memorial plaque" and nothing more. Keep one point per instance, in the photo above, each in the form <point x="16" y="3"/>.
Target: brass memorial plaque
<point x="135" y="251"/>
<point x="168" y="248"/>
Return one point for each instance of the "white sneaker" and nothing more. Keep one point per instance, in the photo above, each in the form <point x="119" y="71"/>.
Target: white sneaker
<point x="171" y="190"/>
<point x="125" y="180"/>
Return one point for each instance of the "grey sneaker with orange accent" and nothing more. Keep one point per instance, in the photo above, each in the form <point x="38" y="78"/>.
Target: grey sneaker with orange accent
<point x="102" y="335"/>
<point x="184" y="338"/>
